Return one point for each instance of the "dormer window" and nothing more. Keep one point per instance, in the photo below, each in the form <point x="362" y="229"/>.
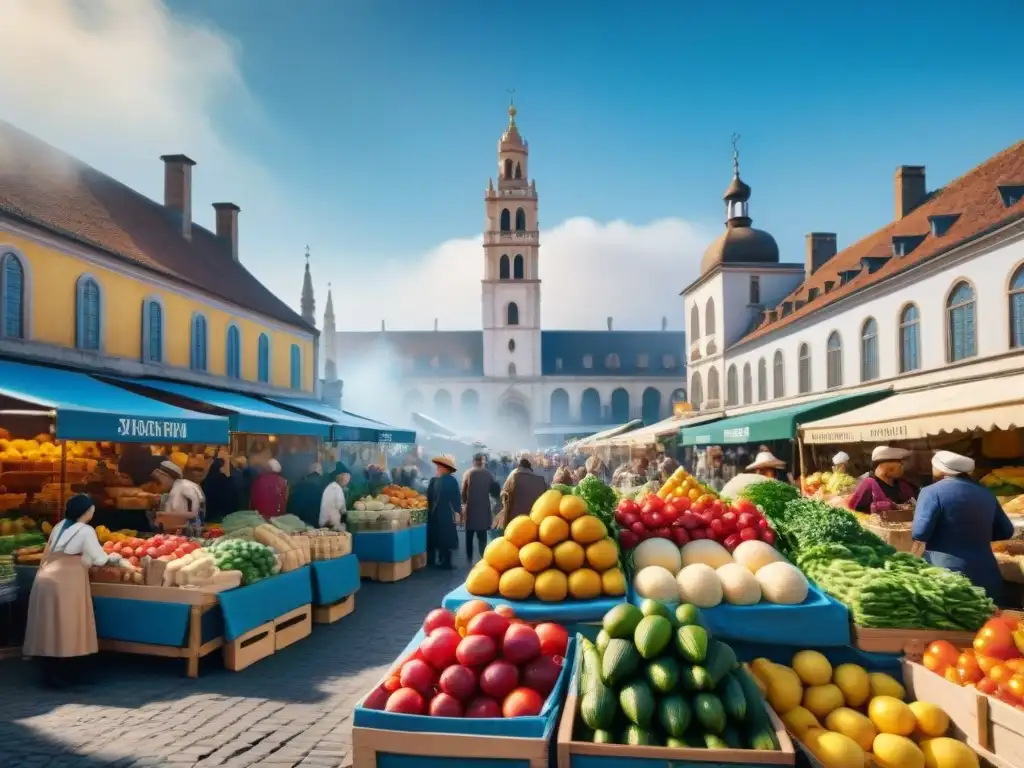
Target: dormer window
<point x="812" y="294"/>
<point x="787" y="308"/>
<point x="668" y="362"/>
<point x="902" y="245"/>
<point x="829" y="285"/>
<point x="942" y="223"/>
<point x="611" y="362"/>
<point x="588" y="361"/>
<point x="641" y="360"/>
<point x="1011" y="194"/>
<point x="847" y="275"/>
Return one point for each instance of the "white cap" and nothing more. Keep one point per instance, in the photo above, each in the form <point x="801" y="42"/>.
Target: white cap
<point x="274" y="466"/>
<point x="170" y="468"/>
<point x="949" y="463"/>
<point x="840" y="458"/>
<point x="888" y="453"/>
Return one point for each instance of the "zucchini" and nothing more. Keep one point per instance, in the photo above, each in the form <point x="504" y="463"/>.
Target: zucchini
<point x="733" y="699"/>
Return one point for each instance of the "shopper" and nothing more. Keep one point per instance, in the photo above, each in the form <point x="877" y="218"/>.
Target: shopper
<point x="522" y="488"/>
<point x="885" y="484"/>
<point x="332" y="501"/>
<point x="840" y="461"/>
<point x="306" y="495"/>
<point x="184" y="503"/>
<point x="443" y="505"/>
<point x="478" y="488"/>
<point x="270" y="491"/>
<point x="957" y="519"/>
<point x="61" y="627"/>
<point x="767" y="465"/>
<point x="220" y="491"/>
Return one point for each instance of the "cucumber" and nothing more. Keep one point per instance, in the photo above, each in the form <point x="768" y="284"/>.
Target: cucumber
<point x="714" y="741"/>
<point x="733" y="699"/>
<point x="603" y="737"/>
<point x="590" y="665"/>
<point x="709" y="712"/>
<point x="634" y="735"/>
<point x="674" y="715"/>
<point x="720" y="661"/>
<point x="687" y="614"/>
<point x="663" y="674"/>
<point x="692" y="643"/>
<point x="652" y="635"/>
<point x="731" y="736"/>
<point x="602" y="641"/>
<point x="655" y="608"/>
<point x="693" y="678"/>
<point x="758" y="730"/>
<point x="619" y="662"/>
<point x="637" y="703"/>
<point x="620" y="622"/>
<point x="598" y="707"/>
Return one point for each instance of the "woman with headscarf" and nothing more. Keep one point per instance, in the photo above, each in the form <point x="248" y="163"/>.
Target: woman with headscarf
<point x="885" y="485"/>
<point x="270" y="492"/>
<point x="220" y="491"/>
<point x="957" y="519"/>
<point x="61" y="625"/>
<point x="444" y="504"/>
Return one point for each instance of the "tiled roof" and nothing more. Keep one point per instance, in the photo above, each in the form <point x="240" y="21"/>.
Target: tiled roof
<point x="977" y="199"/>
<point x="419" y="353"/>
<point x="55" y="191"/>
<point x="637" y="353"/>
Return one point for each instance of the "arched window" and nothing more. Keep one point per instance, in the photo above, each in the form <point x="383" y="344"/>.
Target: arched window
<point x="762" y="380"/>
<point x="506" y="220"/>
<point x="620" y="406"/>
<point x="559" y="407"/>
<point x="442" y="404"/>
<point x="511" y="369"/>
<point x="508" y="168"/>
<point x="412" y="401"/>
<point x="803" y="365"/>
<point x="869" y="350"/>
<point x="590" y="406"/>
<point x="650" y="406"/>
<point x="12" y="295"/>
<point x="520" y="220"/>
<point x="963" y="332"/>
<point x="714" y="394"/>
<point x="519" y="171"/>
<point x="748" y="385"/>
<point x="834" y="361"/>
<point x="694" y="328"/>
<point x="469" y="406"/>
<point x="197" y="345"/>
<point x="709" y="317"/>
<point x="295" y="379"/>
<point x="696" y="391"/>
<point x="88" y="314"/>
<point x="512" y="314"/>
<point x="517" y="267"/>
<point x="233" y="355"/>
<point x="778" y="375"/>
<point x="511" y="345"/>
<point x="910" y="322"/>
<point x="263" y="359"/>
<point x="1016" y="308"/>
<point x="732" y="389"/>
<point x="152" y="331"/>
<point x="503" y="271"/>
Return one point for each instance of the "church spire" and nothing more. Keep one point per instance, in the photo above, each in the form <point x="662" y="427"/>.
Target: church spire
<point x="329" y="309"/>
<point x="330" y="340"/>
<point x="308" y="304"/>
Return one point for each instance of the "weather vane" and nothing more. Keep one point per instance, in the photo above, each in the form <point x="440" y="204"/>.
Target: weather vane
<point x="307" y="253"/>
<point x="736" y="154"/>
<point x="511" y="96"/>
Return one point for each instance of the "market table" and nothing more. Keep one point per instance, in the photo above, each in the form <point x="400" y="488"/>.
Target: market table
<point x="387" y="555"/>
<point x="335" y="583"/>
<point x="566" y="611"/>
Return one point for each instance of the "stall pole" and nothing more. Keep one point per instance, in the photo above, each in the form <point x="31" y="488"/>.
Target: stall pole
<point x="800" y="449"/>
<point x="63" y="475"/>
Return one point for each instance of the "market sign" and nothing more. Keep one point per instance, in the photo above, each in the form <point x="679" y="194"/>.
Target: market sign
<point x="383" y="437"/>
<point x="736" y="435"/>
<point x="174" y="431"/>
<point x="863" y="434"/>
<point x="701" y="439"/>
<point x="834" y="436"/>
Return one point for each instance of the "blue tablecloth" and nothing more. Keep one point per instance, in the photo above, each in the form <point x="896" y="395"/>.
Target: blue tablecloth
<point x="536" y="610"/>
<point x="418" y="539"/>
<point x="541" y="726"/>
<point x="385" y="546"/>
<point x="247" y="607"/>
<point x="334" y="579"/>
<point x="150" y="622"/>
<point x="819" y="621"/>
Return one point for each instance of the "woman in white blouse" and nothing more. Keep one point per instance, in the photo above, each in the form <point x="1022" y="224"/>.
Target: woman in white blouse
<point x="61" y="625"/>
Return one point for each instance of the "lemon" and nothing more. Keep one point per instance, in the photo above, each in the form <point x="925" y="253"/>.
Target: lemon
<point x="516" y="584"/>
<point x="552" y="531"/>
<point x="835" y="750"/>
<point x="584" y="584"/>
<point x="569" y="556"/>
<point x="852" y="723"/>
<point x="800" y="721"/>
<point x="820" y="700"/>
<point x="854" y="682"/>
<point x="892" y="716"/>
<point x="551" y="586"/>
<point x="602" y="555"/>
<point x="931" y="720"/>
<point x="613" y="583"/>
<point x="813" y="668"/>
<point x="521" y="530"/>
<point x="501" y="555"/>
<point x="884" y="685"/>
<point x="892" y="751"/>
<point x="482" y="580"/>
<point x="535" y="557"/>
<point x="948" y="753"/>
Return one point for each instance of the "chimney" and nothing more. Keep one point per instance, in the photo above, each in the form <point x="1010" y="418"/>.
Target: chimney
<point x="829" y="285"/>
<point x="664" y="323"/>
<point x="820" y="247"/>
<point x="910" y="189"/>
<point x="227" y="225"/>
<point x="382" y="327"/>
<point x="435" y="325"/>
<point x="178" y="190"/>
<point x="609" y="323"/>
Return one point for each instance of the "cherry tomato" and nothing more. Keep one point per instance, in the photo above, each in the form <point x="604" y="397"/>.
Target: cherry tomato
<point x="968" y="668"/>
<point x="1017" y="665"/>
<point x="1000" y="673"/>
<point x="1015" y="686"/>
<point x="986" y="662"/>
<point x="996" y="640"/>
<point x="985" y="685"/>
<point x="940" y="656"/>
<point x="951" y="674"/>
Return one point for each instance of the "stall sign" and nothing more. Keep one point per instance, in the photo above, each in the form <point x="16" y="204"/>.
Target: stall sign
<point x="832" y="436"/>
<point x="701" y="439"/>
<point x="890" y="432"/>
<point x="383" y="437"/>
<point x="736" y="435"/>
<point x="174" y="431"/>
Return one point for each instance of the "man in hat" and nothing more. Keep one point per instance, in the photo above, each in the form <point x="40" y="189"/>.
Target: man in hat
<point x="478" y="488"/>
<point x="184" y="501"/>
<point x="957" y="519"/>
<point x="840" y="462"/>
<point x="332" y="501"/>
<point x="885" y="485"/>
<point x="522" y="488"/>
<point x="767" y="464"/>
<point x="444" y="504"/>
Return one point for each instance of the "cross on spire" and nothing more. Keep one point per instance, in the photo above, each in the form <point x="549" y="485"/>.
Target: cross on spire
<point x="736" y="155"/>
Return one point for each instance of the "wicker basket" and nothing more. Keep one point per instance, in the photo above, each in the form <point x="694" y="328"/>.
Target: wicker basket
<point x="901" y="513"/>
<point x="896" y="535"/>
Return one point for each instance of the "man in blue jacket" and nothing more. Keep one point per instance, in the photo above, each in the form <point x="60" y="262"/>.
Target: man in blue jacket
<point x="957" y="519"/>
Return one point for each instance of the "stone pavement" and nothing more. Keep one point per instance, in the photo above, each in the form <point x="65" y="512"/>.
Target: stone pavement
<point x="292" y="709"/>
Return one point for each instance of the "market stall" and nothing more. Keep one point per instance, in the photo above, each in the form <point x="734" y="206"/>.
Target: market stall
<point x="594" y="441"/>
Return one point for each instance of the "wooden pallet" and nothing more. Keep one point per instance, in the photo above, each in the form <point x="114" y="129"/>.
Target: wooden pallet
<point x="339" y="609"/>
<point x="419" y="562"/>
<point x="386" y="572"/>
<point x="293" y="626"/>
<point x="457" y="750"/>
<point x="898" y="640"/>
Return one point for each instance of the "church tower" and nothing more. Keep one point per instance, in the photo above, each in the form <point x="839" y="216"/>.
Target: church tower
<point x="308" y="303"/>
<point x="511" y="284"/>
<point x="330" y="340"/>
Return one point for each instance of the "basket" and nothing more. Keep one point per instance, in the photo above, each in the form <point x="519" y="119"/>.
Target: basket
<point x="896" y="535"/>
<point x="901" y="513"/>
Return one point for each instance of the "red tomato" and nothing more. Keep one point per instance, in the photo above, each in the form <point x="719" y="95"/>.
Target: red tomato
<point x="653" y="519"/>
<point x="639" y="529"/>
<point x="680" y="536"/>
<point x="996" y="640"/>
<point x="768" y="536"/>
<point x="748" y="534"/>
<point x="134" y="561"/>
<point x="952" y="675"/>
<point x="744" y="505"/>
<point x="1015" y="687"/>
<point x="939" y="656"/>
<point x="628" y="539"/>
<point x="1017" y="665"/>
<point x="689" y="521"/>
<point x="697" y="533"/>
<point x="628" y="519"/>
<point x="653" y="504"/>
<point x="670" y="514"/>
<point x="746" y="520"/>
<point x="697" y="508"/>
<point x="719" y="528"/>
<point x="118" y="546"/>
<point x="985" y="685"/>
<point x="729" y="520"/>
<point x="554" y="638"/>
<point x="1000" y="673"/>
<point x="682" y="504"/>
<point x="968" y="668"/>
<point x="522" y="702"/>
<point x="664" y="532"/>
<point x="127" y="552"/>
<point x="627" y="505"/>
<point x="732" y="541"/>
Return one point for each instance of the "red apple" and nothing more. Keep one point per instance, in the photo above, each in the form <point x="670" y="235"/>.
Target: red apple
<point x="439" y="647"/>
<point x="520" y="644"/>
<point x="418" y="675"/>
<point x="488" y="623"/>
<point x="483" y="706"/>
<point x="406" y="701"/>
<point x="458" y="681"/>
<point x="522" y="702"/>
<point x="444" y="705"/>
<point x="499" y="679"/>
<point x="476" y="650"/>
<point x="439" y="617"/>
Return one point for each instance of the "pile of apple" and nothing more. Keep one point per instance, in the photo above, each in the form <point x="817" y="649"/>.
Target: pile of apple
<point x="159" y="547"/>
<point x="682" y="520"/>
<point x="476" y="662"/>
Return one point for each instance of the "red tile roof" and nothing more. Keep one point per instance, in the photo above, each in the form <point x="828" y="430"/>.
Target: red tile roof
<point x="53" y="190"/>
<point x="975" y="196"/>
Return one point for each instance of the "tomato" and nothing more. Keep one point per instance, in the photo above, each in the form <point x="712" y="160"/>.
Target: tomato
<point x="940" y="656"/>
<point x="392" y="683"/>
<point x="1008" y="619"/>
<point x="951" y="674"/>
<point x="985" y="685"/>
<point x="1015" y="686"/>
<point x="670" y="514"/>
<point x="996" y="640"/>
<point x="968" y="668"/>
<point x="1000" y="673"/>
<point x="1017" y="665"/>
<point x="986" y="662"/>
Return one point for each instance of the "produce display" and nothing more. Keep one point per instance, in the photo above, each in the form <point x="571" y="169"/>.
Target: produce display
<point x="15" y="541"/>
<point x="394" y="507"/>
<point x="8" y="577"/>
<point x="293" y="550"/>
<point x="476" y="662"/>
<point x="655" y="676"/>
<point x="104" y="534"/>
<point x="994" y="664"/>
<point x="256" y="561"/>
<point x="681" y="484"/>
<point x="13" y="526"/>
<point x="559" y="551"/>
<point x="705" y="573"/>
<point x="199" y="569"/>
<point x="881" y="587"/>
<point x="826" y="484"/>
<point x="159" y="547"/>
<point x="850" y="718"/>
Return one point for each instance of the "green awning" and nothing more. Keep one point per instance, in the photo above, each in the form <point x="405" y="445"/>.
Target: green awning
<point x="776" y="423"/>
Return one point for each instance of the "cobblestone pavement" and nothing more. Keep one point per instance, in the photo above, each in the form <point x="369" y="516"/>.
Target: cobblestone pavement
<point x="292" y="709"/>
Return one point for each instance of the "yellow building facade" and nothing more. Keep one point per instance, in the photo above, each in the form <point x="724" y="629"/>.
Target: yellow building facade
<point x="95" y="275"/>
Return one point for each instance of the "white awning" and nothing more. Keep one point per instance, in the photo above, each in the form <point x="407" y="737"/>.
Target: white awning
<point x="979" y="405"/>
<point x="589" y="442"/>
<point x="645" y="436"/>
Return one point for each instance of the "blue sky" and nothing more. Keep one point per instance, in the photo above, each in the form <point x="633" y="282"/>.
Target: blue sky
<point x="367" y="129"/>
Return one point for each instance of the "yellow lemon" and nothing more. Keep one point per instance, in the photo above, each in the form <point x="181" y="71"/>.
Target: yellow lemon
<point x="571" y="507"/>
<point x="569" y="556"/>
<point x="551" y="586"/>
<point x="854" y="682"/>
<point x="535" y="557"/>
<point x="602" y="555"/>
<point x="552" y="531"/>
<point x="546" y="505"/>
<point x="890" y="715"/>
<point x="948" y="753"/>
<point x="501" y="554"/>
<point x="516" y="584"/>
<point x="852" y="723"/>
<point x="931" y="720"/>
<point x="884" y="685"/>
<point x="891" y="751"/>
<point x="482" y="580"/>
<point x="613" y="582"/>
<point x="813" y="668"/>
<point x="800" y="720"/>
<point x="822" y="699"/>
<point x="584" y="584"/>
<point x="587" y="530"/>
<point x="521" y="530"/>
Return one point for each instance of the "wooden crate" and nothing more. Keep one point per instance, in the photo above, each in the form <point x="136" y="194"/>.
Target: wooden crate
<point x="579" y="754"/>
<point x="386" y="572"/>
<point x="328" y="614"/>
<point x="991" y="728"/>
<point x="456" y="750"/>
<point x="898" y="640"/>
<point x="245" y="650"/>
<point x="293" y="626"/>
<point x="419" y="562"/>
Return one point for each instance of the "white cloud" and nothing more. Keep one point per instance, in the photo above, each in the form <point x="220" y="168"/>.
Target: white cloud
<point x="119" y="82"/>
<point x="589" y="270"/>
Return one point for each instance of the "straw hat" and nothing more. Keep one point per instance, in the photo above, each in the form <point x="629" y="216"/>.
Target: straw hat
<point x="889" y="453"/>
<point x="766" y="460"/>
<point x="445" y="460"/>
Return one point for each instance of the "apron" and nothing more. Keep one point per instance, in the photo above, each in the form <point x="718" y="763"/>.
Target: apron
<point x="61" y="622"/>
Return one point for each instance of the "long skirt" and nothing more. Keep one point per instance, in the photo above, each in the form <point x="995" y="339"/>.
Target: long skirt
<point x="61" y="623"/>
